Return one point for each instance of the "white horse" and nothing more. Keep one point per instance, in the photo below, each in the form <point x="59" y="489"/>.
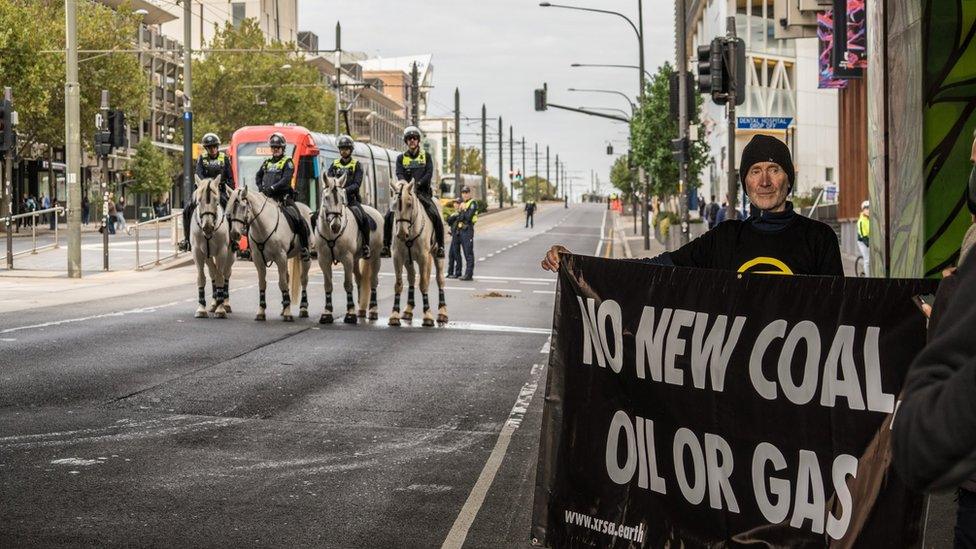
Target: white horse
<point x="414" y="242"/>
<point x="271" y="240"/>
<point x="209" y="235"/>
<point x="337" y="241"/>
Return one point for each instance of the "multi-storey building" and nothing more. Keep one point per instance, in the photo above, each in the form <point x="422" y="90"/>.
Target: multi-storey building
<point x="781" y="81"/>
<point x="278" y="19"/>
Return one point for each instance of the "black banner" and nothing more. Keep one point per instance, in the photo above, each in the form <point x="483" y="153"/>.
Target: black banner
<point x="691" y="407"/>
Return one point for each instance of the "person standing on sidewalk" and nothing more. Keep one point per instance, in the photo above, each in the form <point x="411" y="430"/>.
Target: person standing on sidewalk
<point x="530" y="214"/>
<point x="773" y="240"/>
<point x="85" y="209"/>
<point x="111" y="217"/>
<point x="863" y="233"/>
<point x="120" y="212"/>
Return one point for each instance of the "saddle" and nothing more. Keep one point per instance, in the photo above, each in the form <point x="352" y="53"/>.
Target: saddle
<point x="294" y="218"/>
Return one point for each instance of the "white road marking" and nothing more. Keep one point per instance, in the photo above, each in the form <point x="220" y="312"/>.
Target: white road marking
<point x="516" y="278"/>
<point x="481" y="259"/>
<point x="545" y="347"/>
<point x="502" y="290"/>
<point x="547" y="292"/>
<point x="459" y="532"/>
<point x="603" y="232"/>
<point x="76" y="462"/>
<point x="528" y="283"/>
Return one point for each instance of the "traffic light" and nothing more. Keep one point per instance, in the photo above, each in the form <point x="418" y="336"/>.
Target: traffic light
<point x="710" y="66"/>
<point x="735" y="49"/>
<point x="540" y="98"/>
<point x="103" y="142"/>
<point x="7" y="135"/>
<point x="714" y="76"/>
<point x="673" y="96"/>
<point x="609" y="148"/>
<point x="116" y="127"/>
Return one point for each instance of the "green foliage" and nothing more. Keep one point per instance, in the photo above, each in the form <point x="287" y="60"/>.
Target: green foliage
<point x="651" y="132"/>
<point x="232" y="90"/>
<point x="622" y="177"/>
<point x="537" y="188"/>
<point x="152" y="170"/>
<point x="38" y="79"/>
<point x="470" y="160"/>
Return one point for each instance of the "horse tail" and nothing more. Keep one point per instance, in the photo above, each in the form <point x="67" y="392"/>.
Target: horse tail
<point x="295" y="276"/>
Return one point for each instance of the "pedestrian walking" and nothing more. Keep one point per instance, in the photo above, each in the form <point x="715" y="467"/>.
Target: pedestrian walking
<point x="110" y="217"/>
<point x="773" y="239"/>
<point x="863" y="233"/>
<point x="85" y="209"/>
<point x="120" y="213"/>
<point x="46" y="204"/>
<point x="454" y="264"/>
<point x="31" y="207"/>
<point x="530" y="214"/>
<point x="468" y="216"/>
<point x="711" y="213"/>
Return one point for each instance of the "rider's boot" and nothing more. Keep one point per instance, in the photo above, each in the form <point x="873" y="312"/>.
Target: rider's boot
<point x="387" y="234"/>
<point x="183" y="245"/>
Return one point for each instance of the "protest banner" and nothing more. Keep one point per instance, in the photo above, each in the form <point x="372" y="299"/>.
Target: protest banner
<point x="694" y="407"/>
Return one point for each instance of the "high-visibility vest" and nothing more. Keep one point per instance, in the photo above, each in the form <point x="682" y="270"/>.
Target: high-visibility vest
<point x="472" y="203"/>
<point x="411" y="163"/>
<point x="348" y="168"/>
<point x="863" y="227"/>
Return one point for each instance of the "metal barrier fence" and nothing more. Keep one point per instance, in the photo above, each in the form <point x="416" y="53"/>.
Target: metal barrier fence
<point x="175" y="232"/>
<point x="9" y="221"/>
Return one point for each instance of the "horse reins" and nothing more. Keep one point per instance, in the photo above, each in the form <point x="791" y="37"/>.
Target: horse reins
<point x="247" y="226"/>
<point x="408" y="242"/>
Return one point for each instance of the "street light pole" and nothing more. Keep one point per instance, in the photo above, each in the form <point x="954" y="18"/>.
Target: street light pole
<point x="643" y="87"/>
<point x="603" y="65"/>
<point x="338" y="77"/>
<point x="72" y="139"/>
<point x="484" y="153"/>
<point x="683" y="106"/>
<point x="187" y="103"/>
<point x="524" y="170"/>
<point x="511" y="166"/>
<point x="501" y="161"/>
<point x="457" y="142"/>
<point x="535" y="186"/>
<point x="547" y="168"/>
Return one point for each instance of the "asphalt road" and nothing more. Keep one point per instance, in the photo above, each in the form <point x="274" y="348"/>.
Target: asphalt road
<point x="125" y="421"/>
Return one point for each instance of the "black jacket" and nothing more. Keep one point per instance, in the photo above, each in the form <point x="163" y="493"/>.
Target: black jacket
<point x="208" y="168"/>
<point x="935" y="426"/>
<point x="354" y="178"/>
<point x="274" y="177"/>
<point x="418" y="168"/>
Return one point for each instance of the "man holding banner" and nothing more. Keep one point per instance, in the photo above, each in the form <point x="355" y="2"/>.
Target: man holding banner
<point x="773" y="240"/>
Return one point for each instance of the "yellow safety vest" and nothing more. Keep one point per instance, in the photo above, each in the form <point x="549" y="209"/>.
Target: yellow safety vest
<point x="410" y="163"/>
<point x="469" y="204"/>
<point x="863" y="226"/>
<point x="351" y="166"/>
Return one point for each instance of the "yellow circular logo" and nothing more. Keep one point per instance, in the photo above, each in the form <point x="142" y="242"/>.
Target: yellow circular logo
<point x="765" y="265"/>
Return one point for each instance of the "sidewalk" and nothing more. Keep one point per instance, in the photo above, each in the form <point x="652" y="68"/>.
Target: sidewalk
<point x="628" y="243"/>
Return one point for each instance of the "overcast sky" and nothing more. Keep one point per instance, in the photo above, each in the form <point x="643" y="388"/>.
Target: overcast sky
<point x="498" y="51"/>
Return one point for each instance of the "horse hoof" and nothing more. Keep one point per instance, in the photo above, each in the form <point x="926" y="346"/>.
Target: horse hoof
<point x="350" y="319"/>
<point x="220" y="315"/>
<point x="259" y="316"/>
<point x="303" y="314"/>
<point x="373" y="316"/>
<point x="227" y="309"/>
<point x="200" y="314"/>
<point x="325" y="319"/>
<point x="211" y="308"/>
<point x="394" y="322"/>
<point x="408" y="317"/>
<point x="442" y="319"/>
<point x="361" y="314"/>
<point x="428" y="322"/>
<point x="288" y="318"/>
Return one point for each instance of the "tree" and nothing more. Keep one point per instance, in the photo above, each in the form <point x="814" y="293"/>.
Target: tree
<point x="27" y="27"/>
<point x="622" y="177"/>
<point x="232" y="90"/>
<point x="537" y="188"/>
<point x="152" y="170"/>
<point x="652" y="130"/>
<point x="470" y="160"/>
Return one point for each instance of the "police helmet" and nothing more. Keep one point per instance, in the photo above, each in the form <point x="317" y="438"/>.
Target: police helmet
<point x="865" y="205"/>
<point x="210" y="140"/>
<point x="411" y="131"/>
<point x="344" y="142"/>
<point x="276" y="140"/>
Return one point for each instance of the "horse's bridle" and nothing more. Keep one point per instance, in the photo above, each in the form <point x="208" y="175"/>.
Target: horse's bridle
<point x="342" y="228"/>
<point x="408" y="242"/>
<point x="247" y="223"/>
<point x="218" y="219"/>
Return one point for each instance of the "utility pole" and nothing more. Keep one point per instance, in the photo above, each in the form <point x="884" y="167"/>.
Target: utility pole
<point x="187" y="107"/>
<point x="643" y="84"/>
<point x="105" y="220"/>
<point x="524" y="170"/>
<point x="484" y="153"/>
<point x="535" y="187"/>
<point x="8" y="175"/>
<point x="338" y="76"/>
<point x="457" y="142"/>
<point x="511" y="166"/>
<point x="557" y="175"/>
<point x="72" y="139"/>
<point x="683" y="108"/>
<point x="733" y="178"/>
<point x="501" y="161"/>
<point x="547" y="168"/>
<point x="415" y="95"/>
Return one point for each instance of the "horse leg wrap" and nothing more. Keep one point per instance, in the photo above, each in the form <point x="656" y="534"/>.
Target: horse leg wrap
<point x="328" y="301"/>
<point x="304" y="303"/>
<point x="349" y="303"/>
<point x="396" y="303"/>
<point x="410" y="300"/>
<point x="441" y="302"/>
<point x="372" y="297"/>
<point x="261" y="300"/>
<point x="214" y="290"/>
<point x="201" y="296"/>
<point x="219" y="294"/>
<point x="426" y="302"/>
<point x="285" y="299"/>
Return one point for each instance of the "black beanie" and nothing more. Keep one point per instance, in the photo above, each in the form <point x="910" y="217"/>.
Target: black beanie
<point x="766" y="148"/>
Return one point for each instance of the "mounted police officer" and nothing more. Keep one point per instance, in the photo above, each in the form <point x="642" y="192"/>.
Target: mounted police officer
<point x="415" y="165"/>
<point x="209" y="165"/>
<point x="274" y="180"/>
<point x="353" y="170"/>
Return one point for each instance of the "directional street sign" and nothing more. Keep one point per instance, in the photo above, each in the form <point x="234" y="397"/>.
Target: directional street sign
<point x="764" y="122"/>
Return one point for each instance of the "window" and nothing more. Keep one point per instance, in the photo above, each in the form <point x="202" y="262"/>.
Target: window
<point x="237" y="13"/>
<point x="829" y="174"/>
